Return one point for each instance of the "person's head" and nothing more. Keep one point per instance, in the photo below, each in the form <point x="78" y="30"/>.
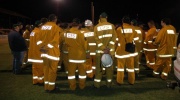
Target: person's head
<point x="44" y="20"/>
<point x="126" y="19"/>
<point x="151" y="23"/>
<point x="103" y="15"/>
<point x="20" y="25"/>
<point x="75" y="22"/>
<point x="64" y="25"/>
<point x="28" y="27"/>
<point x="52" y="18"/>
<point x="88" y="23"/>
<point x="16" y="27"/>
<point x="165" y="21"/>
<point x="134" y="22"/>
<point x="38" y="23"/>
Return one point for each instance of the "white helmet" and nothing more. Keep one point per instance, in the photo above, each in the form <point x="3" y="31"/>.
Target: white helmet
<point x="106" y="60"/>
<point x="88" y="22"/>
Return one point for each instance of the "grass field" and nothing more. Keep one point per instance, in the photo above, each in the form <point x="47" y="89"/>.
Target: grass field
<point x="19" y="87"/>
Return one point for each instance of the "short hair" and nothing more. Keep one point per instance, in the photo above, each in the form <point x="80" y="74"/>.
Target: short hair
<point x="43" y="20"/>
<point x="167" y="21"/>
<point x="75" y="22"/>
<point x="52" y="17"/>
<point x="64" y="25"/>
<point x="151" y="22"/>
<point x="126" y="19"/>
<point x="103" y="15"/>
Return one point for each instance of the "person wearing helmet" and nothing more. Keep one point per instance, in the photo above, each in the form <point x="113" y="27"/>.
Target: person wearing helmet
<point x="126" y="34"/>
<point x="26" y="36"/>
<point x="48" y="42"/>
<point x="34" y="56"/>
<point x="105" y="36"/>
<point x="138" y="41"/>
<point x="149" y="48"/>
<point x="75" y="42"/>
<point x="91" y="43"/>
<point x="166" y="42"/>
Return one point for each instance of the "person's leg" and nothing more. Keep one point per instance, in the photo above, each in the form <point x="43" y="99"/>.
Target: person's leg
<point x="120" y="70"/>
<point x="82" y="75"/>
<point x="98" y="74"/>
<point x="130" y="66"/>
<point x="71" y="75"/>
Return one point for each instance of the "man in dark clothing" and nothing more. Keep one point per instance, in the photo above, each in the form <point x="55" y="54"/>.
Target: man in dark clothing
<point x="18" y="46"/>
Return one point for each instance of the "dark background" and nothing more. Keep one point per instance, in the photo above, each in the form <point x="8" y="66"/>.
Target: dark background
<point x="143" y="10"/>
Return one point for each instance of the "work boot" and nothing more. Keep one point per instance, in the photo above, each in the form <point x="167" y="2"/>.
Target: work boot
<point x="163" y="77"/>
<point x="55" y="90"/>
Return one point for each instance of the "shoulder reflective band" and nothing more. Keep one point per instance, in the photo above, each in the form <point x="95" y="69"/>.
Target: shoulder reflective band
<point x="50" y="46"/>
<point x="82" y="77"/>
<point x="97" y="80"/>
<point x="126" y="31"/>
<point x="77" y="61"/>
<point x="92" y="44"/>
<point x="104" y="27"/>
<point x="71" y="77"/>
<point x="138" y="31"/>
<point x="170" y="31"/>
<point x="39" y="42"/>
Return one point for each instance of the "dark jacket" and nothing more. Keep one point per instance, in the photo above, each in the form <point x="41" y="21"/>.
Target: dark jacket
<point x="16" y="41"/>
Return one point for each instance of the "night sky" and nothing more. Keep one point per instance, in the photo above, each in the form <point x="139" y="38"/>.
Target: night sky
<point x="116" y="9"/>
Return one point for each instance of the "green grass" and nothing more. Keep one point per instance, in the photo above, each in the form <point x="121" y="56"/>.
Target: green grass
<point x="19" y="87"/>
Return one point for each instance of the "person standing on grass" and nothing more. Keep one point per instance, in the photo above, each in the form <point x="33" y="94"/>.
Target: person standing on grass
<point x="18" y="47"/>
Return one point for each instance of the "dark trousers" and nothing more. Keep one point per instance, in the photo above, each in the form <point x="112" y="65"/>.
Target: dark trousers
<point x="17" y="61"/>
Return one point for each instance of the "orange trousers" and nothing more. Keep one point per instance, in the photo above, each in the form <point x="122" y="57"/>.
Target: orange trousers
<point x="50" y="73"/>
<point x="150" y="58"/>
<point x="72" y="78"/>
<point x="163" y="66"/>
<point x="129" y="63"/>
<point x="65" y="61"/>
<point x="90" y="63"/>
<point x="38" y="74"/>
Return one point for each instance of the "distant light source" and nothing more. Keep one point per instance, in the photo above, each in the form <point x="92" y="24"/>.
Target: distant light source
<point x="58" y="0"/>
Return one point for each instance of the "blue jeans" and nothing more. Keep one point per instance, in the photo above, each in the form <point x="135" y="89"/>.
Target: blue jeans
<point x="17" y="61"/>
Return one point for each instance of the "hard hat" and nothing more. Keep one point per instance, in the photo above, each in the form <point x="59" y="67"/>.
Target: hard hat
<point x="106" y="60"/>
<point x="88" y="22"/>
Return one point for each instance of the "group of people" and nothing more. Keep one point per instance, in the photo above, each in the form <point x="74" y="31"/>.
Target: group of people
<point x="81" y="48"/>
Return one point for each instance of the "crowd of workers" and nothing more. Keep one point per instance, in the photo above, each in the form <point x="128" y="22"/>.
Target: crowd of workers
<point x="81" y="47"/>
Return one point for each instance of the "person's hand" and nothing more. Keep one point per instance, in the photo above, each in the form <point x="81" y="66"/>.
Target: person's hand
<point x="106" y="51"/>
<point x="43" y="50"/>
<point x="88" y="56"/>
